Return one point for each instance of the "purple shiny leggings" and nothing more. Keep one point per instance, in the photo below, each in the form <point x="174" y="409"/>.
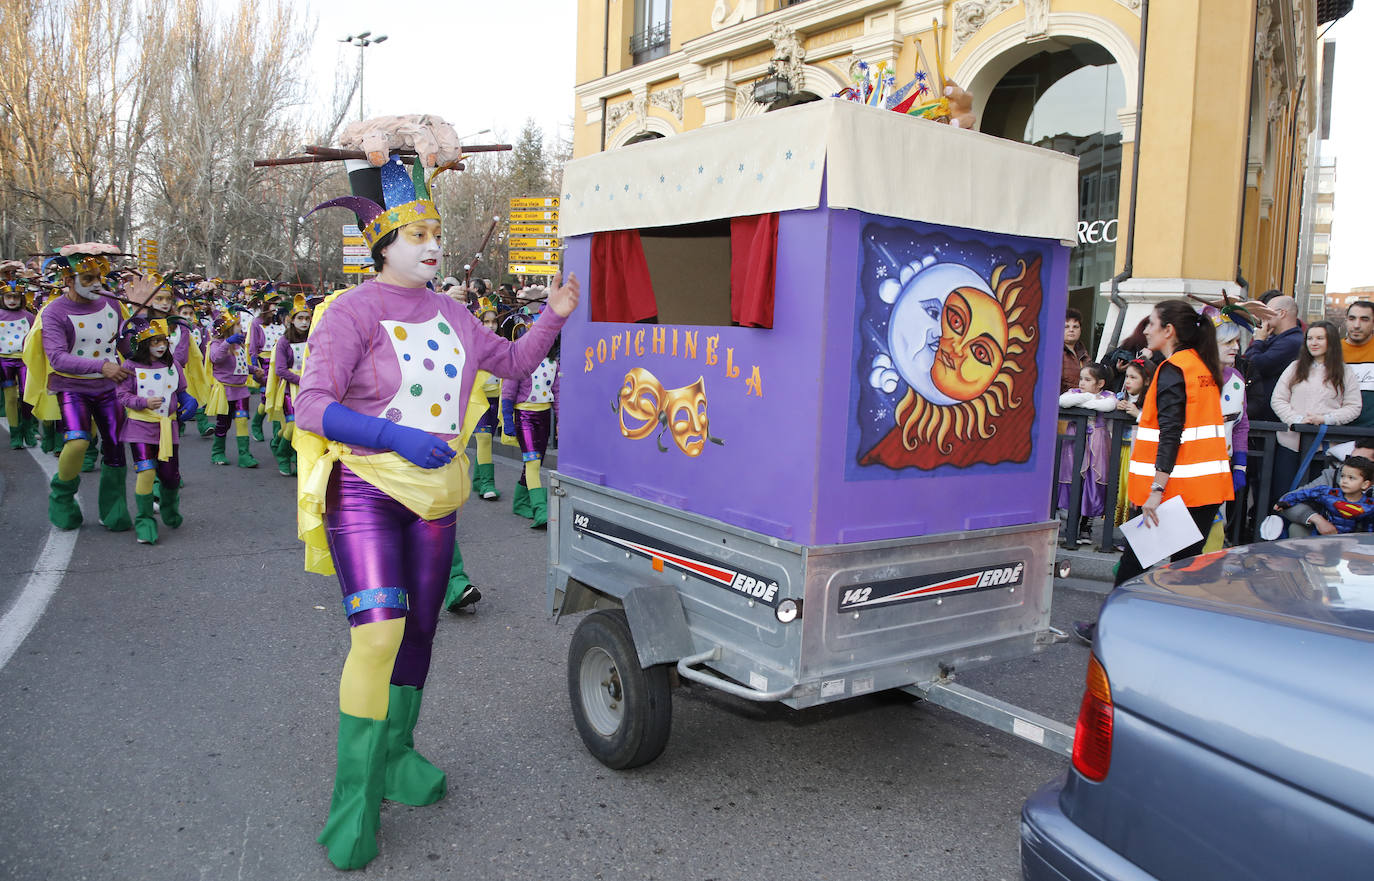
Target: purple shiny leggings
<point x="224" y="420"/>
<point x="288" y="409"/>
<point x="490" y="419"/>
<point x="13" y="372"/>
<point x="168" y="472"/>
<point x="532" y="430"/>
<point x="379" y="543"/>
<point x="79" y="408"/>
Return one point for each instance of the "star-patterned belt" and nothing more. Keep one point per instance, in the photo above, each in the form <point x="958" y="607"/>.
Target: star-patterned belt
<point x="376" y="598"/>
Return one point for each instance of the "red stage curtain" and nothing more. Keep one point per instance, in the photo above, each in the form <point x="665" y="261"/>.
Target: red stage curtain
<point x="621" y="289"/>
<point x="753" y="265"/>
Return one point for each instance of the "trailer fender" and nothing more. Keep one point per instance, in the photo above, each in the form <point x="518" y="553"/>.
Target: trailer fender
<point x="658" y="624"/>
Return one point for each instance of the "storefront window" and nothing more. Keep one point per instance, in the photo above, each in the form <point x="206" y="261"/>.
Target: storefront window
<point x="1067" y="100"/>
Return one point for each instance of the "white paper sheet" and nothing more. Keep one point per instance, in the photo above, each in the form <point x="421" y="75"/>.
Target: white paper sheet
<point x="1175" y="531"/>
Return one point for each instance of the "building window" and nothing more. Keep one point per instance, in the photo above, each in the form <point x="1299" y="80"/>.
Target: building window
<point x="1321" y="243"/>
<point x="651" y="34"/>
<point x="1318" y="273"/>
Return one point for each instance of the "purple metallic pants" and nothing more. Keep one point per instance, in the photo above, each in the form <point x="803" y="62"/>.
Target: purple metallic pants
<point x="13" y="372"/>
<point x="490" y="419"/>
<point x="79" y="408"/>
<point x="224" y="420"/>
<point x="288" y="409"/>
<point x="532" y="430"/>
<point x="145" y="458"/>
<point x="378" y="543"/>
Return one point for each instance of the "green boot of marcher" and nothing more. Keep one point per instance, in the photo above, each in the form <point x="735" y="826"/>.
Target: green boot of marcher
<point x="203" y="424"/>
<point x="350" y="833"/>
<point x="283" y="452"/>
<point x="49" y="437"/>
<point x="92" y="454"/>
<point x="410" y="778"/>
<point x="16" y="435"/>
<point x="114" y="506"/>
<point x="484" y="482"/>
<point x="170" y="505"/>
<point x="460" y="593"/>
<point x="256" y="430"/>
<point x="29" y="425"/>
<point x="539" y="502"/>
<point x="520" y="503"/>
<point x="276" y="432"/>
<point x="246" y="459"/>
<point x="217" y="456"/>
<point x="145" y="521"/>
<point x="63" y="512"/>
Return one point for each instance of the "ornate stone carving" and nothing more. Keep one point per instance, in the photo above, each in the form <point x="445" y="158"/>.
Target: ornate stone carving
<point x="970" y="15"/>
<point x="722" y="16"/>
<point x="615" y="115"/>
<point x="789" y="55"/>
<point x="1133" y="5"/>
<point x="670" y="100"/>
<point x="1037" y="19"/>
<point x="637" y="107"/>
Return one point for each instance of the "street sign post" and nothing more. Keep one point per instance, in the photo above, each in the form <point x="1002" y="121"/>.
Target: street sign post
<point x="357" y="257"/>
<point x="533" y="246"/>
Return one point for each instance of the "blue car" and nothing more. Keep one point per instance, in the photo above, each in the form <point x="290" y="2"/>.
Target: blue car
<point x="1227" y="726"/>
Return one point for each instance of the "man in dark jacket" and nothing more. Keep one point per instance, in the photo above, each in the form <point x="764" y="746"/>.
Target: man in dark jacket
<point x="1276" y="345"/>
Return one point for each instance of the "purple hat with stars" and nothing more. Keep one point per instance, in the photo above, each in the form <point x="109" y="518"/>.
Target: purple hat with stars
<point x="384" y="199"/>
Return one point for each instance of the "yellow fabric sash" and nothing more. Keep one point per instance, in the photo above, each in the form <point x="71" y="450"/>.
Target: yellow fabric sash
<point x="276" y="392"/>
<point x="197" y="377"/>
<point x="164" y="438"/>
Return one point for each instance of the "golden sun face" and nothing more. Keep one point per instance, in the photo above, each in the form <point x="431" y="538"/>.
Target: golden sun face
<point x="981" y="339"/>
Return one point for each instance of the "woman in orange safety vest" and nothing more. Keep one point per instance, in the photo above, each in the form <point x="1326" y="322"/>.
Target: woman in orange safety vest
<point x="1180" y="446"/>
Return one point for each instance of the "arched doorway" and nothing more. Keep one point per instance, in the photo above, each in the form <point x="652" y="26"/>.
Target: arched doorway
<point x="1066" y="98"/>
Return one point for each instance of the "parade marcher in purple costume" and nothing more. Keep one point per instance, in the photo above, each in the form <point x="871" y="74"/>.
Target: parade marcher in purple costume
<point x="229" y="398"/>
<point x="77" y="362"/>
<point x="526" y="407"/>
<point x="288" y="359"/>
<point x="265" y="330"/>
<point x="153" y="395"/>
<point x="386" y="385"/>
<point x="15" y="324"/>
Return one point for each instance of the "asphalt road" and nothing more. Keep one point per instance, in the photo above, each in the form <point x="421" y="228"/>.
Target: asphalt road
<point x="172" y="716"/>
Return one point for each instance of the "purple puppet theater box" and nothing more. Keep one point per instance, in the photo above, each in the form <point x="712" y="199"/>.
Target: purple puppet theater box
<point x="908" y="385"/>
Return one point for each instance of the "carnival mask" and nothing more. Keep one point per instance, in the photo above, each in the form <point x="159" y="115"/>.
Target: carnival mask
<point x="640" y="398"/>
<point x="973" y="344"/>
<point x="686" y="410"/>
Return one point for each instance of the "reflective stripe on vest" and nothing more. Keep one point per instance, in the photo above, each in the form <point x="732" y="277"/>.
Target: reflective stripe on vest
<point x="1202" y="469"/>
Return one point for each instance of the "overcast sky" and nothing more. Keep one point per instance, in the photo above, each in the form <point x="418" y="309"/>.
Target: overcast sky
<point x="1352" y="144"/>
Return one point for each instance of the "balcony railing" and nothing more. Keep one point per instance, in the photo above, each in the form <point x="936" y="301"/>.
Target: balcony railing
<point x="650" y="43"/>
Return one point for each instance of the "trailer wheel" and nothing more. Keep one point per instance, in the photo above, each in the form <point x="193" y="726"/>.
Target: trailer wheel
<point x="623" y="712"/>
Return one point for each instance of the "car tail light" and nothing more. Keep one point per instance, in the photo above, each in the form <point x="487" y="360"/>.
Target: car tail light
<point x="1092" y="738"/>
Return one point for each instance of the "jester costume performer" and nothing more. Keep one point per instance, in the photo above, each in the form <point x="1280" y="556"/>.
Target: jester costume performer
<point x="484" y="472"/>
<point x="72" y="355"/>
<point x="381" y="417"/>
<point x="264" y="332"/>
<point x="526" y="412"/>
<point x="153" y="394"/>
<point x="16" y="320"/>
<point x="231" y="369"/>
<point x="283" y="383"/>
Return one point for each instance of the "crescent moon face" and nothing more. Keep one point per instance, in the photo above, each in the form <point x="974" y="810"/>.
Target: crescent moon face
<point x="914" y="327"/>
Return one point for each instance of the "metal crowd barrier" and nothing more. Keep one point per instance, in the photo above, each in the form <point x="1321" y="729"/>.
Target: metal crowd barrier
<point x="1243" y="516"/>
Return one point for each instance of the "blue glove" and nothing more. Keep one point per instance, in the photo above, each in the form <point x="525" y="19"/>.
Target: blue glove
<point x="186" y="406"/>
<point x="508" y="417"/>
<point x="1238" y="479"/>
<point x="236" y="339"/>
<point x="416" y="446"/>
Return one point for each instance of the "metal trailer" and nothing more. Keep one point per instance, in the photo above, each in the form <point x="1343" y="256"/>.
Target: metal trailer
<point x="769" y="620"/>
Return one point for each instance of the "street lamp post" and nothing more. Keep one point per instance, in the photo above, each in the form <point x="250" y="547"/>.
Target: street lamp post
<point x="362" y="41"/>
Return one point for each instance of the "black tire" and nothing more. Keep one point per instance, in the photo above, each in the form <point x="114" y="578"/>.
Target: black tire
<point x="623" y="712"/>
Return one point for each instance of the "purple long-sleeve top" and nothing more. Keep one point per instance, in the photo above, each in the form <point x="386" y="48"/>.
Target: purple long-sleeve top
<point x="15" y="325"/>
<point x="78" y="338"/>
<point x="409" y="355"/>
<point x="229" y="364"/>
<point x="180" y="344"/>
<point x="285" y="360"/>
<point x="143" y="382"/>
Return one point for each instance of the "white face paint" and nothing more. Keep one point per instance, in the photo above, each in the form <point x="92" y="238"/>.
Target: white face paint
<point x="157" y="348"/>
<point x="89" y="286"/>
<point x="301" y="322"/>
<point x="413" y="258"/>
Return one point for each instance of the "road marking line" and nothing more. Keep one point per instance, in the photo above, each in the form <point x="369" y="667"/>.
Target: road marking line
<point x="44" y="580"/>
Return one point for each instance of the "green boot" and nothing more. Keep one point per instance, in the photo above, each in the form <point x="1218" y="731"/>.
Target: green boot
<point x="246" y="459"/>
<point x="63" y="512"/>
<point x="276" y="432"/>
<point x="257" y="424"/>
<point x="460" y="592"/>
<point x="114" y="508"/>
<point x="16" y="435"/>
<point x="92" y="454"/>
<point x="350" y="833"/>
<point x="217" y="456"/>
<point x="410" y="778"/>
<point x="283" y="452"/>
<point x="49" y="440"/>
<point x="145" y="521"/>
<point x="520" y="504"/>
<point x="170" y="505"/>
<point x="486" y="474"/>
<point x="539" y="504"/>
<point x="29" y="425"/>
<point x="203" y="424"/>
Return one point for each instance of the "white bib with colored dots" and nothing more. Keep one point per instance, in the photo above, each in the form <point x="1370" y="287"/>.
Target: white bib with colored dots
<point x="541" y="383"/>
<point x="158" y="381"/>
<point x="12" y="335"/>
<point x="240" y="360"/>
<point x="297" y="357"/>
<point x="430" y="358"/>
<point x="272" y="333"/>
<point x="95" y="336"/>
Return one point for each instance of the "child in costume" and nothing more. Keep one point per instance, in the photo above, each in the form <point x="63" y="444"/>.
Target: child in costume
<point x="229" y="396"/>
<point x="1091" y="393"/>
<point x="382" y="415"/>
<point x="283" y="384"/>
<point x="15" y="323"/>
<point x="1338" y="509"/>
<point x="527" y="407"/>
<point x="484" y="472"/>
<point x="153" y="394"/>
<point x="72" y="355"/>
<point x="1138" y="373"/>
<point x="264" y="332"/>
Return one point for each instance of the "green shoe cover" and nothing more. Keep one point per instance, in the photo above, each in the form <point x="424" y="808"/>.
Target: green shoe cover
<point x="114" y="507"/>
<point x="276" y="432"/>
<point x="49" y="439"/>
<point x="539" y="504"/>
<point x="170" y="505"/>
<point x="63" y="512"/>
<point x="92" y="454"/>
<point x="145" y="521"/>
<point x="520" y="503"/>
<point x="283" y="452"/>
<point x="203" y="424"/>
<point x="246" y="459"/>
<point x="217" y="456"/>
<point x="487" y="475"/>
<point x="256" y="429"/>
<point x="29" y="426"/>
<point x="350" y="833"/>
<point x="16" y="436"/>
<point x="458" y="582"/>
<point x="410" y="778"/>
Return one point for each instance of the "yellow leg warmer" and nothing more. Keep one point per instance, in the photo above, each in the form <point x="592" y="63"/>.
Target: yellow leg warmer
<point x="12" y="413"/>
<point x="363" y="687"/>
<point x="532" y="474"/>
<point x="143" y="483"/>
<point x="69" y="463"/>
<point x="483" y="448"/>
<point x="240" y="426"/>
